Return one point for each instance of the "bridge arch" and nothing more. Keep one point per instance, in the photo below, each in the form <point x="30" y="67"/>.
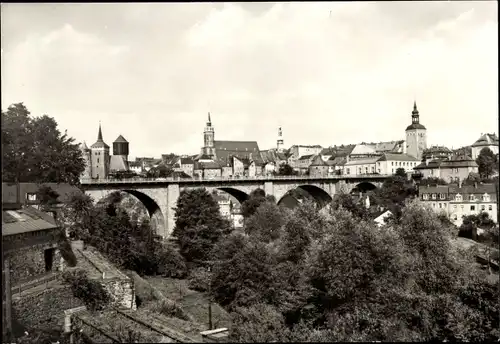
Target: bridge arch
<point x="240" y="195"/>
<point x="157" y="220"/>
<point x="321" y="197"/>
<point x="363" y="187"/>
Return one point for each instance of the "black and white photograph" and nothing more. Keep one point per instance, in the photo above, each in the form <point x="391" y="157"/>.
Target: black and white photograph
<point x="238" y="172"/>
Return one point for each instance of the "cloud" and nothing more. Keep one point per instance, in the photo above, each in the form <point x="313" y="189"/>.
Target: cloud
<point x="328" y="73"/>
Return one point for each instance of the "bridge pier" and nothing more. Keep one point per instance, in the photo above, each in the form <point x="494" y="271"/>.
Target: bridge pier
<point x="269" y="188"/>
<point x="173" y="193"/>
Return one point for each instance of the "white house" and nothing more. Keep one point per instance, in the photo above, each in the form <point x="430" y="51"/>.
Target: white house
<point x="390" y="162"/>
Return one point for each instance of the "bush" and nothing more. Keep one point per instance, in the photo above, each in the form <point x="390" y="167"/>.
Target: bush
<point x="170" y="309"/>
<point x="67" y="253"/>
<point x="91" y="292"/>
<point x="199" y="279"/>
<point x="171" y="263"/>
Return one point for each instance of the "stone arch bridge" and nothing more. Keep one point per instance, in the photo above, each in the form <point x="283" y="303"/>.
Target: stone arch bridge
<point x="159" y="196"/>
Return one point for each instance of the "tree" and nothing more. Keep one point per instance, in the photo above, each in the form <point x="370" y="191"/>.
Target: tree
<point x="249" y="207"/>
<point x="266" y="222"/>
<point x="34" y="150"/>
<point x="198" y="224"/>
<point x="47" y="196"/>
<point x="487" y="162"/>
<point x="347" y="201"/>
<point x="286" y="170"/>
<point x="401" y="172"/>
<point x="160" y="171"/>
<point x="433" y="181"/>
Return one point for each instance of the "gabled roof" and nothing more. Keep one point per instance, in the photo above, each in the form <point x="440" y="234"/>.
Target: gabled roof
<point x="209" y="165"/>
<point x="25" y="220"/>
<point x="362" y="149"/>
<point x="306" y="157"/>
<point x="486" y="140"/>
<point x="317" y="161"/>
<point x="242" y="149"/>
<point x="187" y="161"/>
<point x="118" y="163"/>
<point x="396" y="157"/>
<point x="9" y="191"/>
<point x="120" y="139"/>
<point x="362" y="161"/>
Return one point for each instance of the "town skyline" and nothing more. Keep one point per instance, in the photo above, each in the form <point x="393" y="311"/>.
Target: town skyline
<point x="319" y="84"/>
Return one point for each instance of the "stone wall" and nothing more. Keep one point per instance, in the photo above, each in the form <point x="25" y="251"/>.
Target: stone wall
<point x="29" y="262"/>
<point x="122" y="292"/>
<point x="44" y="308"/>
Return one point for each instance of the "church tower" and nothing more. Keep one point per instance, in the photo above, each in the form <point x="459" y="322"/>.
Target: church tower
<point x="279" y="141"/>
<point x="416" y="135"/>
<point x="208" y="135"/>
<point x="100" y="157"/>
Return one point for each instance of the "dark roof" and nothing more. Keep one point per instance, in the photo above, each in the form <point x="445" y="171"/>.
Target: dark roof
<point x="9" y="191"/>
<point x="204" y="157"/>
<point x="187" y="161"/>
<point x="118" y="163"/>
<point x="396" y="157"/>
<point x="480" y="189"/>
<point x="99" y="144"/>
<point x="317" y="161"/>
<point x="431" y="164"/>
<point x="306" y="157"/>
<point x="240" y="149"/>
<point x="25" y="220"/>
<point x="181" y="174"/>
<point x="455" y="162"/>
<point x="210" y="165"/>
<point x="120" y="139"/>
<point x="415" y="126"/>
<point x="437" y="149"/>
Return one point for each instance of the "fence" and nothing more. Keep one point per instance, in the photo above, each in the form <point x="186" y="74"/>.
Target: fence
<point x="30" y="284"/>
<point x="233" y="178"/>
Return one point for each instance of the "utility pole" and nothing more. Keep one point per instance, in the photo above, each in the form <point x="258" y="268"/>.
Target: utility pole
<point x="8" y="297"/>
<point x="209" y="302"/>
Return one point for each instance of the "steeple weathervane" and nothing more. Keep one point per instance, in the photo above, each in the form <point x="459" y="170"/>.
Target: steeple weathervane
<point x="414" y="113"/>
<point x="209" y="123"/>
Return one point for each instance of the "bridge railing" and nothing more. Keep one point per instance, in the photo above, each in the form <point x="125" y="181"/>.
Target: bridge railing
<point x="232" y="178"/>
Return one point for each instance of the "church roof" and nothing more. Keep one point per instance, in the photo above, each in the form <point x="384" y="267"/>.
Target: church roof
<point x="241" y="149"/>
<point x="486" y="140"/>
<point x="100" y="142"/>
<point x="120" y="139"/>
<point x="415" y="126"/>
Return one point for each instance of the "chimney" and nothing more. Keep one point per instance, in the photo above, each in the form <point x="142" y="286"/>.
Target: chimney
<point x="460" y="183"/>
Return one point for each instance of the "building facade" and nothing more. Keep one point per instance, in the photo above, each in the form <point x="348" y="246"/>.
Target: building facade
<point x="485" y="141"/>
<point x="457" y="201"/>
<point x="450" y="170"/>
<point x="416" y="135"/>
<point x="388" y="163"/>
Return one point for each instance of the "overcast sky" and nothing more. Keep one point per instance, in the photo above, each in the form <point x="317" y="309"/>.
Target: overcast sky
<point x="328" y="73"/>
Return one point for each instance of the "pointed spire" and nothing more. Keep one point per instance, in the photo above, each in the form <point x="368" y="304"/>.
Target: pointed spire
<point x="415" y="111"/>
<point x="209" y="120"/>
<point x="99" y="135"/>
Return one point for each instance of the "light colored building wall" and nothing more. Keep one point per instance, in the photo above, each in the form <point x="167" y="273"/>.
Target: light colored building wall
<point x="477" y="150"/>
<point x="455" y="174"/>
<point x="212" y="173"/>
<point x="100" y="162"/>
<point x="355" y="168"/>
<point x="416" y="142"/>
<point x="188" y="169"/>
<point x="227" y="171"/>
<point x="319" y="171"/>
<point x="390" y="166"/>
<point x="270" y="167"/>
<point x="238" y="167"/>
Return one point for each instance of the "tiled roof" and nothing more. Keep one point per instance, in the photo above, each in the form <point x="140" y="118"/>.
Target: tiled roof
<point x="241" y="149"/>
<point x="362" y="161"/>
<point x="317" y="161"/>
<point x="99" y="144"/>
<point x="431" y="164"/>
<point x="187" y="161"/>
<point x="437" y="149"/>
<point x="486" y="140"/>
<point x="396" y="157"/>
<point x="455" y="162"/>
<point x="387" y="146"/>
<point x="362" y="149"/>
<point x="180" y="174"/>
<point x="120" y="139"/>
<point x="306" y="157"/>
<point x="204" y="157"/>
<point x="209" y="165"/>
<point x="9" y="191"/>
<point x="118" y="163"/>
<point x="24" y="221"/>
<point x="339" y="160"/>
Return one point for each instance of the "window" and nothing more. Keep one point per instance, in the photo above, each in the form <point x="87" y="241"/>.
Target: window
<point x="456" y="170"/>
<point x="490" y="207"/>
<point x="31" y="196"/>
<point x="373" y="169"/>
<point x="458" y="198"/>
<point x="348" y="171"/>
<point x="392" y="163"/>
<point x="471" y="198"/>
<point x="455" y="217"/>
<point x="462" y="206"/>
<point x="425" y="196"/>
<point x="433" y="196"/>
<point x="434" y="205"/>
<point x="454" y="206"/>
<point x="366" y="170"/>
<point x="97" y="160"/>
<point x="439" y="205"/>
<point x="483" y="207"/>
<point x="442" y="196"/>
<point x="486" y="197"/>
<point x="359" y="170"/>
<point x="472" y="207"/>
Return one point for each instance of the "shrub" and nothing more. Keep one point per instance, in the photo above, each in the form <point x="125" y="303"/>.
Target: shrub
<point x="67" y="253"/>
<point x="199" y="279"/>
<point x="171" y="263"/>
<point x="91" y="292"/>
<point x="170" y="309"/>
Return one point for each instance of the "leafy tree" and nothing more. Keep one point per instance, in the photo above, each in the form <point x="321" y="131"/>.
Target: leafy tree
<point x="199" y="224"/>
<point x="470" y="224"/>
<point x="266" y="222"/>
<point x="348" y="202"/>
<point x="401" y="172"/>
<point x="160" y="171"/>
<point x="34" y="150"/>
<point x="393" y="193"/>
<point x="47" y="196"/>
<point x="286" y="170"/>
<point x="487" y="162"/>
<point x="433" y="181"/>
<point x="249" y="207"/>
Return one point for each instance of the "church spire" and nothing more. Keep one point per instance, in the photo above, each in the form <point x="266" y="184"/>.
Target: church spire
<point x="99" y="134"/>
<point x="415" y="111"/>
<point x="209" y="120"/>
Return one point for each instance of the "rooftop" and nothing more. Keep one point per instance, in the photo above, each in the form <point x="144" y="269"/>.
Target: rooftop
<point x="25" y="220"/>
